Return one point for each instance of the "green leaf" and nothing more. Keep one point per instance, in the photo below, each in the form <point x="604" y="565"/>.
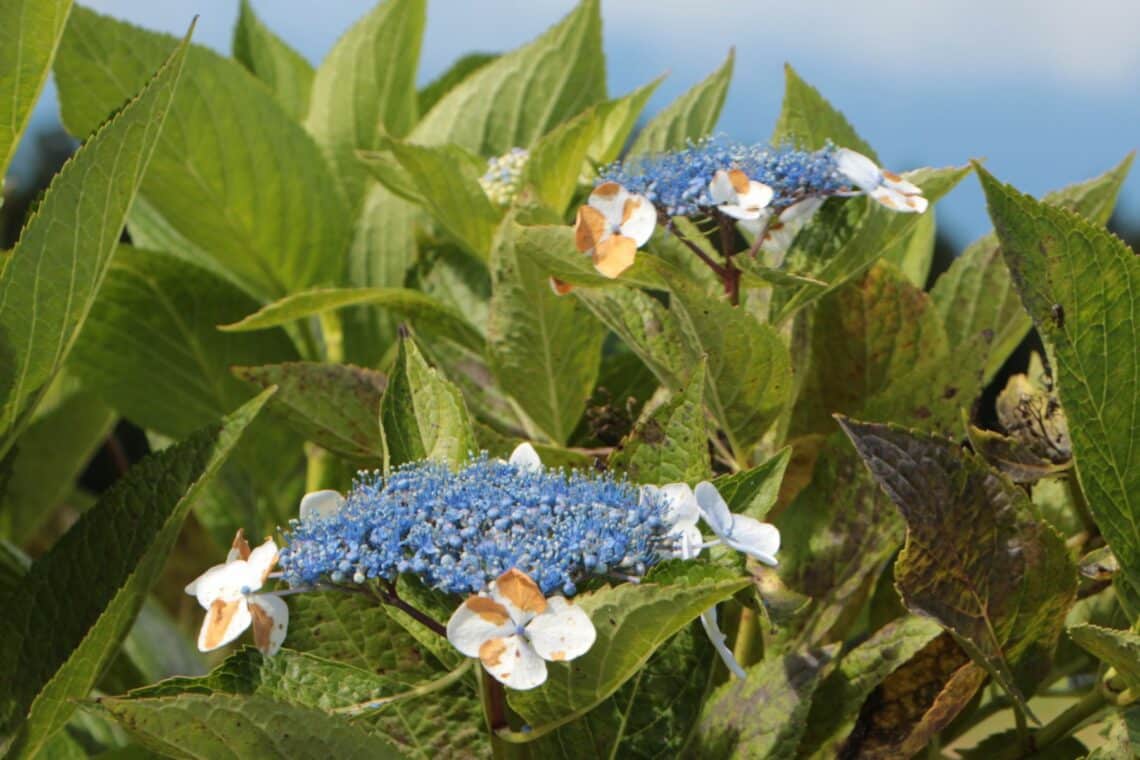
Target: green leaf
<point x="46" y="461"/>
<point x="285" y="71"/>
<point x="809" y="121"/>
<point x="217" y="179"/>
<point x="689" y="117"/>
<point x="864" y="336"/>
<point x="230" y="725"/>
<point x="754" y="491"/>
<point x="169" y="372"/>
<point x="632" y="620"/>
<point x="422" y="415"/>
<point x="765" y="714"/>
<point x="543" y="348"/>
<point x="976" y="292"/>
<point x="54" y="273"/>
<point x="426" y="314"/>
<point x="523" y="94"/>
<point x="56" y="642"/>
<point x="977" y="558"/>
<point x="646" y="327"/>
<point x="365" y="89"/>
<point x="1118" y="649"/>
<point x="336" y="406"/>
<point x="833" y="549"/>
<point x="445" y="181"/>
<point x="29" y="33"/>
<point x="749" y="368"/>
<point x="914" y="255"/>
<point x="463" y="67"/>
<point x="552" y="249"/>
<point x="671" y="445"/>
<point x="617" y="119"/>
<point x="843" y="690"/>
<point x="848" y="235"/>
<point x="555" y="163"/>
<point x="919" y="699"/>
<point x="1081" y="285"/>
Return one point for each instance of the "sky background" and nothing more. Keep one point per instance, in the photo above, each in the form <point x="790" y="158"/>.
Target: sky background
<point x="1045" y="91"/>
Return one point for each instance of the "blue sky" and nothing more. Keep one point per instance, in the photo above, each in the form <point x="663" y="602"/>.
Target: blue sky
<point x="1045" y="92"/>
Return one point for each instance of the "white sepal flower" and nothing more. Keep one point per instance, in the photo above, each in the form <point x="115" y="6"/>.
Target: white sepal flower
<point x="515" y="630"/>
<point x="888" y="188"/>
<point x="681" y="514"/>
<point x="743" y="533"/>
<point x="782" y="233"/>
<point x="712" y="628"/>
<point x="320" y="505"/>
<point x="612" y="225"/>
<point x="525" y="458"/>
<point x="226" y="592"/>
<point x="741" y="198"/>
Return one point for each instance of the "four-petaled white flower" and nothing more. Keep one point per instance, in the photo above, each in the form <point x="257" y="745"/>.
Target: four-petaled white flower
<point x="744" y="199"/>
<point x="681" y="514"/>
<point x="515" y="630"/>
<point x="612" y="225"/>
<point x="319" y="505"/>
<point x="886" y="187"/>
<point x="226" y="592"/>
<point x="745" y="534"/>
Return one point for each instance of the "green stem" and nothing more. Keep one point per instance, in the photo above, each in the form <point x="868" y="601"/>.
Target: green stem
<point x="747" y="633"/>
<point x="319" y="469"/>
<point x="333" y="333"/>
<point x="1060" y="727"/>
<point x="1080" y="504"/>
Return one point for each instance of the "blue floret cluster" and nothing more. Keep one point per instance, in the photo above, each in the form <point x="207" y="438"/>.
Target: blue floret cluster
<point x="678" y="182"/>
<point x="458" y="531"/>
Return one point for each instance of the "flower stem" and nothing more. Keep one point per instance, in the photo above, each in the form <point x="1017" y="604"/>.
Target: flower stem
<point x="1058" y="728"/>
<point x="494" y="702"/>
<point x="744" y="649"/>
<point x="389" y="596"/>
<point x="333" y="333"/>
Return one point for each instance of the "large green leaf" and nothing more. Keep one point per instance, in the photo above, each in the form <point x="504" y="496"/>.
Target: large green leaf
<point x="217" y="179"/>
<point x="169" y="372"/>
<point x="552" y="249"/>
<point x="513" y="100"/>
<point x="365" y="89"/>
<point x="671" y="445"/>
<point x="242" y="727"/>
<point x="618" y="117"/>
<point x="864" y="336"/>
<point x="754" y="491"/>
<point x="977" y="558"/>
<point x="749" y="367"/>
<point x="55" y="641"/>
<point x="29" y="33"/>
<point x="46" y="461"/>
<point x="833" y="549"/>
<point x="543" y="348"/>
<point x="689" y="117"/>
<point x="765" y="714"/>
<point x="270" y="59"/>
<point x="336" y="406"/>
<point x="1081" y="285"/>
<point x="425" y="314"/>
<point x="809" y="121"/>
<point x="52" y="277"/>
<point x="631" y="620"/>
<point x="976" y="292"/>
<point x="843" y="690"/>
<point x="462" y="68"/>
<point x="1119" y="649"/>
<point x="646" y="327"/>
<point x="422" y="415"/>
<point x="554" y="166"/>
<point x="914" y="255"/>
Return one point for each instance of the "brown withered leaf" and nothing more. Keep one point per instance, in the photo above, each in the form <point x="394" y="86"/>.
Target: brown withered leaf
<point x="977" y="558"/>
<point x="1029" y="410"/>
<point x="914" y="702"/>
<point x="1020" y="461"/>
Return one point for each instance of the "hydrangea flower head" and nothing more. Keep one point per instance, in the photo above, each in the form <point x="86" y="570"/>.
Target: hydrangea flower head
<point x="743" y="199"/>
<point x="503" y="177"/>
<point x="681" y="183"/>
<point x="459" y="531"/>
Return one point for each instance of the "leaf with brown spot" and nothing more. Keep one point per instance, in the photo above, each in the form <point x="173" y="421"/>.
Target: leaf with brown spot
<point x="977" y="558"/>
<point x="336" y="406"/>
<point x="914" y="703"/>
<point x="671" y="444"/>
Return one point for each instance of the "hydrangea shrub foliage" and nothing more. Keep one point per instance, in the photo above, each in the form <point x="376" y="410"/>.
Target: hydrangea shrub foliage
<point x="557" y="428"/>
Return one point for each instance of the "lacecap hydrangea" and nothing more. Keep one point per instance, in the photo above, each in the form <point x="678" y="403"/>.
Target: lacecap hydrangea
<point x="460" y="530"/>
